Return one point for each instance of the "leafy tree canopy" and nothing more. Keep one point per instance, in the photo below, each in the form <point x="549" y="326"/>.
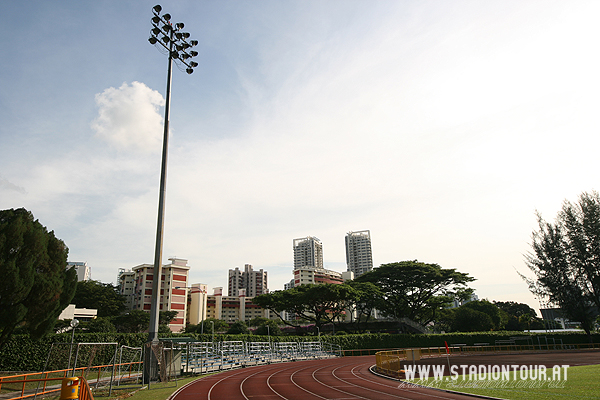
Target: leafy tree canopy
<point x="165" y="317"/>
<point x="104" y="297"/>
<point x="467" y="319"/>
<point x="268" y="327"/>
<point x="368" y="297"/>
<point x="566" y="260"/>
<point x="132" y="321"/>
<point x="513" y="308"/>
<point x="100" y="324"/>
<point x="410" y="287"/>
<point x="498" y="317"/>
<point x="238" y="327"/>
<point x="258" y="321"/>
<point x="219" y="324"/>
<point x="315" y="303"/>
<point x="35" y="285"/>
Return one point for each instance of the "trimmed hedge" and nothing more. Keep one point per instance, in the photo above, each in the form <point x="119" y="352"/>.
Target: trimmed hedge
<point x="23" y="354"/>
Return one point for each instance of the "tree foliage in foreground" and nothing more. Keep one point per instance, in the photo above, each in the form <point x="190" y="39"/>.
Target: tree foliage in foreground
<point x="416" y="290"/>
<point x="35" y="285"/>
<point x="566" y="260"/>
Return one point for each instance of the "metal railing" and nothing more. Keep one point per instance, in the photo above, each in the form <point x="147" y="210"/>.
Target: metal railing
<point x="202" y="357"/>
<point x="22" y="386"/>
<point x="85" y="392"/>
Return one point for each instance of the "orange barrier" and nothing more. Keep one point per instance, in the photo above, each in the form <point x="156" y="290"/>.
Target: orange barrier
<point x="23" y="379"/>
<point x="85" y="393"/>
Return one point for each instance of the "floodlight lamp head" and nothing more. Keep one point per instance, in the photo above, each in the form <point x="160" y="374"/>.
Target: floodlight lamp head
<point x="155" y="19"/>
<point x="186" y="35"/>
<point x="194" y="64"/>
<point x="156" y="31"/>
<point x="178" y="35"/>
<point x="194" y="43"/>
<point x="189" y="71"/>
<point x="193" y="53"/>
<point x="175" y="55"/>
<point x="152" y="40"/>
<point x="167" y="17"/>
<point x="157" y="8"/>
<point x="179" y="25"/>
<point x="165" y="39"/>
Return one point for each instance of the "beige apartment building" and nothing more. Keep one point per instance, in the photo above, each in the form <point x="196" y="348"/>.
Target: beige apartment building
<point x="136" y="285"/>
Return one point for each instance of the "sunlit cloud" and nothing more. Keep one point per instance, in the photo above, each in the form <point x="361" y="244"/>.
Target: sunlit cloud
<point x="129" y="118"/>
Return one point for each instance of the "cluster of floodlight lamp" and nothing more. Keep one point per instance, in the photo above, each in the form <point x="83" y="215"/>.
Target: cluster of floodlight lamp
<point x="173" y="39"/>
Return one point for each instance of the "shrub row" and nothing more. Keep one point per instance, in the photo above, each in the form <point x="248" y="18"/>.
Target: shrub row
<point x="23" y="354"/>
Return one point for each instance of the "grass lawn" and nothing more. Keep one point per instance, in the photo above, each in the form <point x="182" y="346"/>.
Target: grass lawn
<point x="582" y="382"/>
<point x="157" y="391"/>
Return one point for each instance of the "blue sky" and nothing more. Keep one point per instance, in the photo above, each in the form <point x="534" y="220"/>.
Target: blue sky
<point x="441" y="126"/>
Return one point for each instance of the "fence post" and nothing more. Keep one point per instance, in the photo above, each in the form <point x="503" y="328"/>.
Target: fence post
<point x="112" y="375"/>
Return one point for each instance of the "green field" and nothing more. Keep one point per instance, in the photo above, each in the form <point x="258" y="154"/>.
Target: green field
<point x="582" y="382"/>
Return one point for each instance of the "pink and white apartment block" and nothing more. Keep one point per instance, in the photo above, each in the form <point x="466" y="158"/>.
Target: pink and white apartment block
<point x="173" y="289"/>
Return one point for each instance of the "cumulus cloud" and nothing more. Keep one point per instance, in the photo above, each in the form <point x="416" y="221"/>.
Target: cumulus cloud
<point x="129" y="118"/>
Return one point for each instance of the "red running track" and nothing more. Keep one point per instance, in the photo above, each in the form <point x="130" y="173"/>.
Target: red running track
<point x="338" y="378"/>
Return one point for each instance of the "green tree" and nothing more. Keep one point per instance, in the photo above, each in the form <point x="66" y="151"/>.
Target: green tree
<point x="410" y="287"/>
<point x="35" y="285"/>
<point x="132" y="321"/>
<point x="514" y="308"/>
<point x="315" y="303"/>
<point x="165" y="317"/>
<point x="498" y="317"/>
<point x="258" y="321"/>
<point x="367" y="298"/>
<point x="566" y="260"/>
<point x="104" y="297"/>
<point x="219" y="324"/>
<point x="238" y="327"/>
<point x="520" y="316"/>
<point x="466" y="319"/>
<point x="268" y="327"/>
<point x="100" y="324"/>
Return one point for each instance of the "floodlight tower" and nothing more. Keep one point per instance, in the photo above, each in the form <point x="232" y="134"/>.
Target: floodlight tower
<point x="169" y="37"/>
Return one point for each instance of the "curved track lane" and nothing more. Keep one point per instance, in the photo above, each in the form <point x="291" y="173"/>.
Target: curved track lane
<point x="340" y="378"/>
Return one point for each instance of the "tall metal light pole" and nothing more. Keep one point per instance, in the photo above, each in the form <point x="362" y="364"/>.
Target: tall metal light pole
<point x="170" y="38"/>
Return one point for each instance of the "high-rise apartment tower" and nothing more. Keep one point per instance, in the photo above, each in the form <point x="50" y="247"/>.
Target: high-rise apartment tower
<point x="308" y="252"/>
<point x="255" y="282"/>
<point x="359" y="258"/>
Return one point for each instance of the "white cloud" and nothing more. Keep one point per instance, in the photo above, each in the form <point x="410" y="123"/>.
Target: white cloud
<point x="129" y="118"/>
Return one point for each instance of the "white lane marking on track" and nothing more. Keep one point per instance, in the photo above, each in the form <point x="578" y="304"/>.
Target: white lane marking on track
<point x="348" y="383"/>
<point x="267" y="370"/>
<point x="222" y="379"/>
<point x="390" y="386"/>
<point x="300" y="387"/>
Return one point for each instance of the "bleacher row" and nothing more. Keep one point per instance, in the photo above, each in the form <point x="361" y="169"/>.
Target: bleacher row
<point x="202" y="357"/>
